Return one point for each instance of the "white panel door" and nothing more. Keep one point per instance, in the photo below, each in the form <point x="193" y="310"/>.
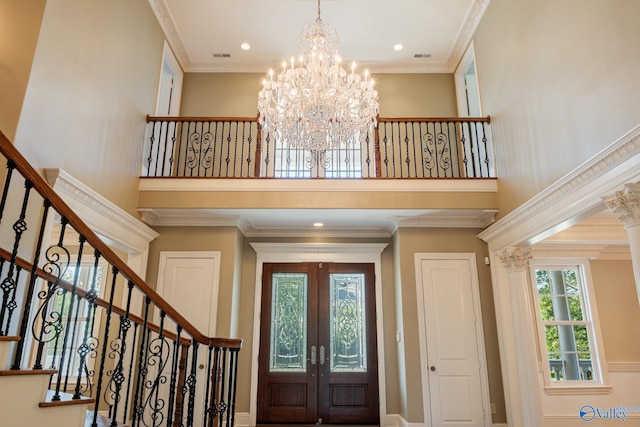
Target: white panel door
<point x="189" y="282"/>
<point x="455" y="394"/>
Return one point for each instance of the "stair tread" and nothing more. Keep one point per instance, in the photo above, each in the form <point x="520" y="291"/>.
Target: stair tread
<point x="101" y="421"/>
<point x="13" y="372"/>
<point x="65" y="399"/>
<point x="9" y="338"/>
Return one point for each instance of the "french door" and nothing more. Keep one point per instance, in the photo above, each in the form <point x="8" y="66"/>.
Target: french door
<point x="318" y="360"/>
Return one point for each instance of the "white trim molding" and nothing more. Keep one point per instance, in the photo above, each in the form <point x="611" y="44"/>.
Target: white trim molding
<point x="103" y="216"/>
<point x="575" y="196"/>
<point x="318" y="252"/>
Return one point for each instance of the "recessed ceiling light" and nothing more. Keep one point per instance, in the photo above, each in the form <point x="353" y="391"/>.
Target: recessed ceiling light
<point x="318" y="224"/>
<point x="245" y="46"/>
<point x="398" y="47"/>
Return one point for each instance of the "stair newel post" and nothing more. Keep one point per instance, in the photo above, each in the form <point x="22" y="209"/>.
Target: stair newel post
<point x="118" y="372"/>
<point x="70" y="328"/>
<point x="9" y="283"/>
<point x="258" y="157"/>
<point x="105" y="340"/>
<point x="191" y="382"/>
<point x="175" y="358"/>
<point x="140" y="377"/>
<point x="376" y="148"/>
<point x="26" y="309"/>
<point x="85" y="348"/>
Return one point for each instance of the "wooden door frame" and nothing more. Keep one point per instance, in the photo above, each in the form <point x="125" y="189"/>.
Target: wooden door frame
<point x="479" y="330"/>
<point x="318" y="252"/>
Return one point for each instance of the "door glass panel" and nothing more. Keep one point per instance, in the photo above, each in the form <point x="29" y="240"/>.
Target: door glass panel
<point x="288" y="342"/>
<point x="348" y="352"/>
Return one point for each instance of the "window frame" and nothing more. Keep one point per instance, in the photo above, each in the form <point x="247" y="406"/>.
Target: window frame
<point x="590" y="319"/>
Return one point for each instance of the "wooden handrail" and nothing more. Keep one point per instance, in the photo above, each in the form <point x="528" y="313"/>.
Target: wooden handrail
<point x="199" y="119"/>
<point x="435" y="119"/>
<point x="43" y="188"/>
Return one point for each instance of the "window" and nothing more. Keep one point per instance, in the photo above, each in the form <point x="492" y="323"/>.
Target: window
<point x="569" y="335"/>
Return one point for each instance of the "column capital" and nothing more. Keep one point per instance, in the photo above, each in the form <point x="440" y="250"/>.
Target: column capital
<point x="626" y="204"/>
<point x="515" y="259"/>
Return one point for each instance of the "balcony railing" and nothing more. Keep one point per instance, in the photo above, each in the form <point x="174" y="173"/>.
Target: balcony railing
<point x="140" y="360"/>
<point x="236" y="147"/>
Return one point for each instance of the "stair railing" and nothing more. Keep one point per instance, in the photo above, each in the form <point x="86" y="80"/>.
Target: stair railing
<point x="80" y="310"/>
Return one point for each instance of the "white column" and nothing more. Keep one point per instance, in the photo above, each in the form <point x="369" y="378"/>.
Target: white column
<point x="523" y="340"/>
<point x="626" y="204"/>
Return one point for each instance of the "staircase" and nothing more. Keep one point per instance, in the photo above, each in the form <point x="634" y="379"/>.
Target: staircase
<point x="84" y="341"/>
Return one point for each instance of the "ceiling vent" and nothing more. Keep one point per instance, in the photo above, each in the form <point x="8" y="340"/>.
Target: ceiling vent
<point x="222" y="55"/>
<point x="422" y="55"/>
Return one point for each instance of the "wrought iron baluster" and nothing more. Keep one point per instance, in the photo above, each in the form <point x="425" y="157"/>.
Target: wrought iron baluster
<point x="180" y="167"/>
<point x="476" y="157"/>
<point x="142" y="369"/>
<point x="486" y="151"/>
<point x="407" y="159"/>
<point x="367" y="161"/>
<point x="156" y="357"/>
<point x="215" y="143"/>
<point x="26" y="308"/>
<point x="249" y="141"/>
<point x="152" y="139"/>
<point x="175" y="359"/>
<point x="209" y="408"/>
<point x="235" y="149"/>
<point x="191" y="383"/>
<point x="233" y="383"/>
<point x="386" y="153"/>
<point x="10" y="283"/>
<point x="182" y="383"/>
<point x="7" y="182"/>
<point x="105" y="340"/>
<point x="119" y="350"/>
<point x="267" y="158"/>
<point x="127" y="395"/>
<point x="50" y="323"/>
<point x="458" y="162"/>
<point x="465" y="148"/>
<point x="70" y="328"/>
<point x="228" y="158"/>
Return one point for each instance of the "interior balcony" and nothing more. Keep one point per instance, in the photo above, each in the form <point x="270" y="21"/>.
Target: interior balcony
<point x="417" y="172"/>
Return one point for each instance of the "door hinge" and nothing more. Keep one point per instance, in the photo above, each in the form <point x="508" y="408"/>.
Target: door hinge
<point x="320" y="266"/>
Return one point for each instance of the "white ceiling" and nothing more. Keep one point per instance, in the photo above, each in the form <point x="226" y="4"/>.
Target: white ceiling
<point x="368" y="31"/>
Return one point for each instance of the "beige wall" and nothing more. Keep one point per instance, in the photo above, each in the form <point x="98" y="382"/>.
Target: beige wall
<point x="407" y="242"/>
<point x="618" y="309"/>
<point x="94" y="78"/>
<point x="19" y="28"/>
<point x="560" y="81"/>
<point x="400" y="95"/>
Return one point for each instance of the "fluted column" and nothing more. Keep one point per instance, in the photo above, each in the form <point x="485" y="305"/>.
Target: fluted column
<point x="626" y="205"/>
<point x="516" y="263"/>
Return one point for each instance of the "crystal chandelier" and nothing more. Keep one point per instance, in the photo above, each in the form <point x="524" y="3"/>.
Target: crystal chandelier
<point x="314" y="104"/>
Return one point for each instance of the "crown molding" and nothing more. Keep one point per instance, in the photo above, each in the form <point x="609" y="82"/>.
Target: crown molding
<point x="105" y="218"/>
<point x="574" y="197"/>
<point x="467" y="30"/>
<point x="171" y="32"/>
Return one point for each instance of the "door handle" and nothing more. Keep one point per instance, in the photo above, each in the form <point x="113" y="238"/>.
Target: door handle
<point x="433" y="368"/>
<point x="313" y="354"/>
<point x="322" y="355"/>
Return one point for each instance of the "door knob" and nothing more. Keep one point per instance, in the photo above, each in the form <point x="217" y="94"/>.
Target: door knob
<point x="433" y="368"/>
<point x="201" y="366"/>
